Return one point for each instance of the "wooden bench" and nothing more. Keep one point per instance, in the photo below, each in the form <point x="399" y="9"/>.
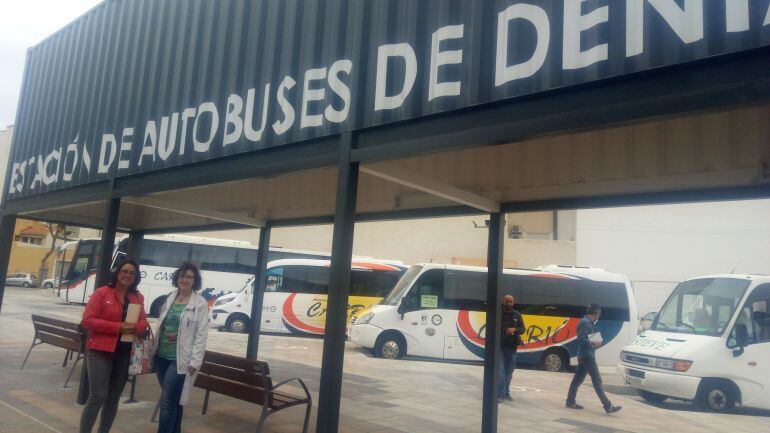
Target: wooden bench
<point x="58" y="333"/>
<point x="247" y="380"/>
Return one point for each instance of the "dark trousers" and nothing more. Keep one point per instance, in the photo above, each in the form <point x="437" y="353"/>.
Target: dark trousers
<point x="505" y="371"/>
<point x="107" y="377"/>
<point x="171" y="384"/>
<point x="587" y="365"/>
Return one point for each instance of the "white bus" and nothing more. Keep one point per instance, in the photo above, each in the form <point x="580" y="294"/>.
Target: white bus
<point x="709" y="344"/>
<point x="296" y="291"/>
<point x="437" y="311"/>
<point x="225" y="266"/>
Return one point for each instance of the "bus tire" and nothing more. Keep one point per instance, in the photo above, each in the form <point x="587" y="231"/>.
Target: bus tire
<point x="238" y="323"/>
<point x="554" y="359"/>
<point x="652" y="397"/>
<point x="390" y="345"/>
<point x="716" y="395"/>
<point x="156" y="306"/>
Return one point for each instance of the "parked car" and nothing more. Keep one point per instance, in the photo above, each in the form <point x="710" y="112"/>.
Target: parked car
<point x="51" y="283"/>
<point x="21" y="279"/>
<point x="646" y="321"/>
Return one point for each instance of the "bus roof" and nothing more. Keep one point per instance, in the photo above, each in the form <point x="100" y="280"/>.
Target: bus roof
<point x="358" y="263"/>
<point x="754" y="278"/>
<point x="595" y="274"/>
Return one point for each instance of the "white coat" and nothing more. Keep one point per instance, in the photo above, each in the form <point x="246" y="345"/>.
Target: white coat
<point x="191" y="338"/>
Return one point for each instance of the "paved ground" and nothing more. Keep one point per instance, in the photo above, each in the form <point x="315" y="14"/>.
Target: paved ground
<point x="409" y="396"/>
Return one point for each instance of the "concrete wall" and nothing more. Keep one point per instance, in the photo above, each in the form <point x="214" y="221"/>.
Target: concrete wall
<point x="439" y="240"/>
<point x="658" y="246"/>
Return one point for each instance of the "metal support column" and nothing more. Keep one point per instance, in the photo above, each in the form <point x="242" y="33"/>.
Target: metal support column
<point x="339" y="288"/>
<point x="7" y="225"/>
<point x="134" y="245"/>
<point x="108" y="240"/>
<point x="258" y="291"/>
<point x="109" y="229"/>
<point x="492" y="347"/>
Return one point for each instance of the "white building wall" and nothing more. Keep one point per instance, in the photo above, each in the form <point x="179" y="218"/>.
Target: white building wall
<point x="5" y="149"/>
<point x="658" y="246"/>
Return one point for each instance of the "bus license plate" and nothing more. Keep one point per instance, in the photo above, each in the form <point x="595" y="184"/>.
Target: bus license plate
<point x="631" y="380"/>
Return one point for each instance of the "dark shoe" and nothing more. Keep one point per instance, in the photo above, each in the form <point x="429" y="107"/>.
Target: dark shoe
<point x="612" y="409"/>
<point x="574" y="406"/>
<point x="508" y="397"/>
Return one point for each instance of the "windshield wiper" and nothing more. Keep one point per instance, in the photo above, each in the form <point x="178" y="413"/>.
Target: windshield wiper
<point x="689" y="326"/>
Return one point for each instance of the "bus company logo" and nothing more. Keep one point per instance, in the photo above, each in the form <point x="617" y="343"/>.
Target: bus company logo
<point x="471" y="327"/>
<point x="295" y="324"/>
<point x="436" y="320"/>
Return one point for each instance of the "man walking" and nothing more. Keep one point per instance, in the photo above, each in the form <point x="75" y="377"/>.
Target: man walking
<point x="586" y="354"/>
<point x="512" y="329"/>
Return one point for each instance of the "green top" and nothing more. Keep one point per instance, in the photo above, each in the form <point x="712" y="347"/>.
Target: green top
<point x="169" y="332"/>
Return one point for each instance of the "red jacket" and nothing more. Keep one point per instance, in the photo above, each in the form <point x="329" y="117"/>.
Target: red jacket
<point x="103" y="318"/>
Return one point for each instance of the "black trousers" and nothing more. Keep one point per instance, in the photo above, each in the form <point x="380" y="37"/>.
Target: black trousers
<point x="587" y="365"/>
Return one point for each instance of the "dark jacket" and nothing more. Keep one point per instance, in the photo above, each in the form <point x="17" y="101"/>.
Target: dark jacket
<point x="511" y="320"/>
<point x="585" y="327"/>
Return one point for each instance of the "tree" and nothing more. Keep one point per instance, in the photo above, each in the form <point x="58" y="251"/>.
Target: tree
<point x="57" y="232"/>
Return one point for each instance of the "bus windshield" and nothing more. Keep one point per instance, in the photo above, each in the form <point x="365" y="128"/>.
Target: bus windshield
<point x="703" y="306"/>
<point x="402" y="286"/>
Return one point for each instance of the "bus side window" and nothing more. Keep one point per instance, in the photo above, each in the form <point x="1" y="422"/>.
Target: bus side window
<point x="427" y="293"/>
<point x="758" y="303"/>
<point x="274" y="280"/>
<point x="465" y="290"/>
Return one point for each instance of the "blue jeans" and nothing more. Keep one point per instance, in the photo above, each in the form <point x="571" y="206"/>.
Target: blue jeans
<point x="505" y="371"/>
<point x="171" y="383"/>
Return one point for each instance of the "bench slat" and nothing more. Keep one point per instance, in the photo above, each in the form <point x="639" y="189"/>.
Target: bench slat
<point x="236" y="362"/>
<point x="58" y="341"/>
<point x="232" y="389"/>
<point x="64" y="333"/>
<point x="238" y="375"/>
<point x="54" y="322"/>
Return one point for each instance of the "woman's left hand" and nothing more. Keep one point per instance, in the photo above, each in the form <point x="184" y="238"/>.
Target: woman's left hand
<point x="191" y="370"/>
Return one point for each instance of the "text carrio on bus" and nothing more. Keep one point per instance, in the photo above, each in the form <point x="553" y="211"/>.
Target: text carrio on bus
<point x="438" y="311"/>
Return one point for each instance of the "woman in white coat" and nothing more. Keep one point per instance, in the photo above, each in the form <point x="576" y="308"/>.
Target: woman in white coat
<point x="180" y="344"/>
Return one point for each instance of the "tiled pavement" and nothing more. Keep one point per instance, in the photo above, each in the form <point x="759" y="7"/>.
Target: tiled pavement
<point x="378" y="395"/>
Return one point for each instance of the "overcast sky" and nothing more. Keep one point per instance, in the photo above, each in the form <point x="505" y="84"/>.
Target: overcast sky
<point x="24" y="23"/>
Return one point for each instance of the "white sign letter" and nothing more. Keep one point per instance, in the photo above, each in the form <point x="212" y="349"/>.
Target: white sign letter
<point x="206" y="107"/>
<point x="233" y="117"/>
<point x="687" y="23"/>
<point x="340" y="89"/>
<point x="279" y="127"/>
<point x="105" y="160"/>
<point x="384" y="53"/>
<point x="574" y="24"/>
<point x="308" y="95"/>
<point x="125" y="146"/>
<point x="539" y="18"/>
<point x="151" y="133"/>
<point x="439" y="58"/>
<point x="251" y="133"/>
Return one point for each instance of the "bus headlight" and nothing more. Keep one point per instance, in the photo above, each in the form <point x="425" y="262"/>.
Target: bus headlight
<point x="365" y="319"/>
<point x="673" y="364"/>
<point x="221" y="302"/>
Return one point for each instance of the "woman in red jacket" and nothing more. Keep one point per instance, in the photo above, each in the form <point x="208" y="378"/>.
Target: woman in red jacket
<point x="108" y="358"/>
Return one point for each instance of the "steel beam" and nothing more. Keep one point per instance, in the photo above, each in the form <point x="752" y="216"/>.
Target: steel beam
<point x="492" y="345"/>
<point x="258" y="291"/>
<point x="332" y="362"/>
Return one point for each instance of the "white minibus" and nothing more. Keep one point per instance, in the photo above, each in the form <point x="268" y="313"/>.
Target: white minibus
<point x="225" y="266"/>
<point x="437" y="311"/>
<point x="295" y="295"/>
<point x="709" y="344"/>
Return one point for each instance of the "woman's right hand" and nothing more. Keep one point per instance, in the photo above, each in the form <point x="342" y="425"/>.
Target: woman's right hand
<point x="127" y="328"/>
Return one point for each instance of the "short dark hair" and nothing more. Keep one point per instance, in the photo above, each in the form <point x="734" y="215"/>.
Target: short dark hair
<point x="594" y="309"/>
<point x="187" y="266"/>
<point x="137" y="278"/>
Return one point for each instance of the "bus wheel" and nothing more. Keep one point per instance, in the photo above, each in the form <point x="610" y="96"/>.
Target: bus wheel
<point x="390" y="346"/>
<point x="716" y="396"/>
<point x="156" y="306"/>
<point x="554" y="360"/>
<point x="652" y="397"/>
<point x="237" y="323"/>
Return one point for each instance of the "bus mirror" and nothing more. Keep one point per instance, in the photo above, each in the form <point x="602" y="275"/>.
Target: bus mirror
<point x="741" y="338"/>
<point x="402" y="309"/>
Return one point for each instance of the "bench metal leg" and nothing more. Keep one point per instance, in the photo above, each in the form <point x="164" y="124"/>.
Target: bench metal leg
<point x="307" y="415"/>
<point x="72" y="370"/>
<point x="205" y="403"/>
<point x="154" y="416"/>
<point x="66" y="358"/>
<point x="131" y="397"/>
<point x="262" y="419"/>
<point x="28" y="352"/>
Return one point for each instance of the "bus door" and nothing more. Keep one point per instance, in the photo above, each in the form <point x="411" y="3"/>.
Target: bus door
<point x="465" y="296"/>
<point x="424" y="321"/>
<point x="273" y="301"/>
<point x="82" y="271"/>
<point x="752" y="361"/>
